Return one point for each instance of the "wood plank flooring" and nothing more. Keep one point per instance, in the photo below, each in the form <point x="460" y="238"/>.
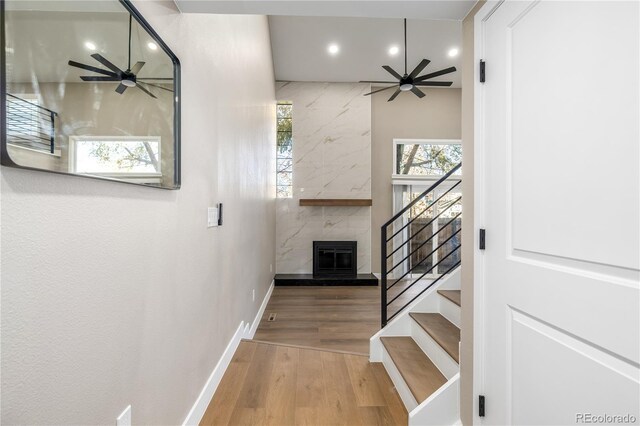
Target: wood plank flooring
<point x="453" y="295"/>
<point x="269" y="384"/>
<point x="336" y="318"/>
<point x="420" y="374"/>
<point x="441" y="330"/>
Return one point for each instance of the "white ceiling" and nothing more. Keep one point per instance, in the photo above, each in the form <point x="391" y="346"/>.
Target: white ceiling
<point x="40" y="43"/>
<point x="435" y="9"/>
<point x="300" y="44"/>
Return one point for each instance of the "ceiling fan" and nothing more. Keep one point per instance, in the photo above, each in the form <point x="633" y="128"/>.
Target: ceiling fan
<point x="410" y="82"/>
<point x="126" y="78"/>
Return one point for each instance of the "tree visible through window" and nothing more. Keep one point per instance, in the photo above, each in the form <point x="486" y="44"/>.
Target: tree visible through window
<point x="427" y="159"/>
<point x="116" y="155"/>
<point x="284" y="150"/>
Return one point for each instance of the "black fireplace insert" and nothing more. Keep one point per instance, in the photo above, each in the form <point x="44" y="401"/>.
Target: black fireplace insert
<point x="335" y="259"/>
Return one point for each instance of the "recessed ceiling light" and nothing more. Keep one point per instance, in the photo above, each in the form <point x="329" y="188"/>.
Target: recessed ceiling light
<point x="333" y="49"/>
<point x="394" y="50"/>
<point x="453" y="52"/>
<point x="151" y="45"/>
<point x="90" y="45"/>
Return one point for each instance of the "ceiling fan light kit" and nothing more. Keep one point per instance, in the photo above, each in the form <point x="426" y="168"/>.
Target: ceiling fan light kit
<point x="410" y="82"/>
<point x="126" y="78"/>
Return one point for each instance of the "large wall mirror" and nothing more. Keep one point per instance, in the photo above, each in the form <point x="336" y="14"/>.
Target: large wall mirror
<point x="89" y="88"/>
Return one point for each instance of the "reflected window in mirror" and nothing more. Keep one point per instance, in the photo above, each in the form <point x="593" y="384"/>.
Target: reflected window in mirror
<point x="89" y="89"/>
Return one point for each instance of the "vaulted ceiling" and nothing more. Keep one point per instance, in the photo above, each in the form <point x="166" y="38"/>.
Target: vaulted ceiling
<point x="363" y="30"/>
<point x="300" y="47"/>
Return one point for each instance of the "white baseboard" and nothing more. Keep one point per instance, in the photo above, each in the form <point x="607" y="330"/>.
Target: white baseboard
<point x="246" y="331"/>
<point x="256" y="321"/>
<point x="197" y="411"/>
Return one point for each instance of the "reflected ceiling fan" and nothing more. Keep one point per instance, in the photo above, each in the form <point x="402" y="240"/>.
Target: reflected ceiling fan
<point x="126" y="78"/>
<point x="410" y="82"/>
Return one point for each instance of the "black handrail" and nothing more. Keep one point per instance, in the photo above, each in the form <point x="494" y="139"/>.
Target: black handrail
<point x="433" y="203"/>
<point x="384" y="241"/>
<point x="411" y="237"/>
<point x="427" y="240"/>
<point x="424" y="194"/>
<point x="425" y="258"/>
<point x="23" y="129"/>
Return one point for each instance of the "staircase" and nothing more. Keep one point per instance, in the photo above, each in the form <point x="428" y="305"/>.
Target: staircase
<point x="419" y="344"/>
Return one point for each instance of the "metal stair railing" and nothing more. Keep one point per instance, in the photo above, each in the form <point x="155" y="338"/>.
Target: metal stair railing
<point x="450" y="245"/>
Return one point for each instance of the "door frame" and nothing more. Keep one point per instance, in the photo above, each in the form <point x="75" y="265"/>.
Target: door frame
<point x="479" y="215"/>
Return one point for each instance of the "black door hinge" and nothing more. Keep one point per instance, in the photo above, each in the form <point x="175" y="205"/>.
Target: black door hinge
<point x="481" y="243"/>
<point x="481" y="406"/>
<point x="482" y="71"/>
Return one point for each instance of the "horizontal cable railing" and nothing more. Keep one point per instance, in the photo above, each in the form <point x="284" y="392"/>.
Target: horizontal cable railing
<point x="30" y="125"/>
<point x="442" y="217"/>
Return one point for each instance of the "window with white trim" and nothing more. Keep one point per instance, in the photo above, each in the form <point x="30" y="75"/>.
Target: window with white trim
<point x="426" y="158"/>
<point x="128" y="157"/>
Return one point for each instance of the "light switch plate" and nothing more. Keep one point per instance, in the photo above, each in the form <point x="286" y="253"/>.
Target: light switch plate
<point x="124" y="419"/>
<point x="212" y="217"/>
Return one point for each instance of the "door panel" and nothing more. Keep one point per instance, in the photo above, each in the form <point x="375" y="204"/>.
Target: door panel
<point x="569" y="134"/>
<point x="561" y="199"/>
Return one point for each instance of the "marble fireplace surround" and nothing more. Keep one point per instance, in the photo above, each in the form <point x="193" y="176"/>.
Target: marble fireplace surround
<point x="331" y="160"/>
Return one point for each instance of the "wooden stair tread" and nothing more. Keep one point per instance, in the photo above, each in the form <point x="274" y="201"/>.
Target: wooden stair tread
<point x="441" y="330"/>
<point x="453" y="295"/>
<point x="420" y="374"/>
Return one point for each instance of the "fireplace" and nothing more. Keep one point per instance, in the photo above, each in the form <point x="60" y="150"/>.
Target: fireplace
<point x="335" y="259"/>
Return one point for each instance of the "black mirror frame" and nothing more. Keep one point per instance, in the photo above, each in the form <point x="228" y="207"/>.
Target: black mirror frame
<point x="6" y="160"/>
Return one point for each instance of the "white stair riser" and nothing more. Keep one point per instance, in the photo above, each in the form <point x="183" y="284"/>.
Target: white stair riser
<point x="401" y="386"/>
<point x="441" y="408"/>
<point x="447" y="365"/>
<point x="449" y="310"/>
<point x="400" y="326"/>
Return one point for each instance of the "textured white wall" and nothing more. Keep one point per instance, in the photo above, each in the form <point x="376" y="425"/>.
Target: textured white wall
<point x="115" y="294"/>
<point x="331" y="159"/>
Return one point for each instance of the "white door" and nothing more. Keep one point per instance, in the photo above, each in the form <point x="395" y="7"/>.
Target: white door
<point x="557" y="175"/>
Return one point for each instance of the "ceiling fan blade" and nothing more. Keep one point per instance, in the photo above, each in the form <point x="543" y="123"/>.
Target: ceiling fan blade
<point x="159" y="87"/>
<point x="434" y="83"/>
<point x="90" y="68"/>
<point x="90" y="78"/>
<point x="98" y="57"/>
<point x="392" y="72"/>
<point x="378" y="82"/>
<point x="379" y="90"/>
<point x="121" y="88"/>
<point x="419" y="93"/>
<point x="152" y="78"/>
<point x="417" y="70"/>
<point x="436" y="74"/>
<point x="146" y="91"/>
<point x="395" y="94"/>
<point x="135" y="69"/>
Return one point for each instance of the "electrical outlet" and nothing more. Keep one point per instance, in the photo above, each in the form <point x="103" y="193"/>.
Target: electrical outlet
<point x="271" y="268"/>
<point x="124" y="419"/>
<point x="253" y="295"/>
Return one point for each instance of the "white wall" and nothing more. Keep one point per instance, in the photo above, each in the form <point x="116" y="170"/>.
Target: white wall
<point x="331" y="159"/>
<point x="115" y="294"/>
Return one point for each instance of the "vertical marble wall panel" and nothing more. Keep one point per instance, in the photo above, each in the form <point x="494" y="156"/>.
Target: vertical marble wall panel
<point x="331" y="159"/>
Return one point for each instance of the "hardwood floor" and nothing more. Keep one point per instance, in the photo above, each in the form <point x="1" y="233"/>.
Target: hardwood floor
<point x="268" y="384"/>
<point x="337" y="318"/>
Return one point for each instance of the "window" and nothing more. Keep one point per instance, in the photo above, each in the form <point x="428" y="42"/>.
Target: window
<point x="426" y="158"/>
<point x="29" y="125"/>
<point x="284" y="150"/>
<point x="136" y="158"/>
